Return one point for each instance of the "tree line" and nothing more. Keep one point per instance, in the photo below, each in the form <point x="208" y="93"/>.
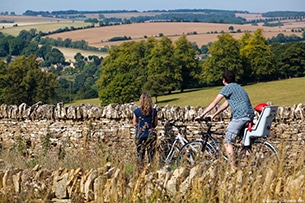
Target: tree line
<point x="69" y="83"/>
<point x="158" y="65"/>
<point x="162" y="66"/>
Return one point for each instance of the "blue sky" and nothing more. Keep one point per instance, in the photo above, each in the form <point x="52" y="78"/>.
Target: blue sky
<point x="20" y="6"/>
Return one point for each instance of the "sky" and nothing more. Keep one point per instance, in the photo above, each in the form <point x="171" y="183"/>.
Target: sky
<point x="253" y="6"/>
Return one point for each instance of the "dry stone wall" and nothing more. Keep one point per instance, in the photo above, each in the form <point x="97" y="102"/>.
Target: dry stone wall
<point x="72" y="126"/>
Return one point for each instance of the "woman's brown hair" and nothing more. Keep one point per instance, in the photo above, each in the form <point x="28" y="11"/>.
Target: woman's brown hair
<point x="146" y="104"/>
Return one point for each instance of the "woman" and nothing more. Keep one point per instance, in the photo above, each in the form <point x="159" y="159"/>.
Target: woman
<point x="145" y="119"/>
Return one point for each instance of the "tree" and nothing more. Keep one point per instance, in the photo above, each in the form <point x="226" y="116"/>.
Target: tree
<point x="43" y="50"/>
<point x="123" y="73"/>
<point x="3" y="80"/>
<point x="122" y="89"/>
<point x="27" y="35"/>
<point x="224" y="55"/>
<point x="16" y="46"/>
<point x="154" y="85"/>
<point x="187" y="69"/>
<point x="63" y="90"/>
<point x="4" y="46"/>
<point x="157" y="66"/>
<point x="259" y="56"/>
<point x="84" y="83"/>
<point x="25" y="82"/>
<point x="291" y="61"/>
<point x="31" y="48"/>
<point x="161" y="63"/>
<point x="54" y="57"/>
<point x="80" y="60"/>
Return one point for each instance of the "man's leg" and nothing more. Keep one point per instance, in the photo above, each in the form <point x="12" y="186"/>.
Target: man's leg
<point x="231" y="155"/>
<point x="232" y="131"/>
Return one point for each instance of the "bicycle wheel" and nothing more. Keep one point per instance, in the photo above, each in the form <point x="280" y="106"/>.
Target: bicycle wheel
<point x="259" y="154"/>
<point x="197" y="152"/>
<point x="168" y="153"/>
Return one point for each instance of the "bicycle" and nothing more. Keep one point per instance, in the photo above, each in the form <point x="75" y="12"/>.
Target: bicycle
<point x="170" y="147"/>
<point x="205" y="149"/>
<point x="251" y="147"/>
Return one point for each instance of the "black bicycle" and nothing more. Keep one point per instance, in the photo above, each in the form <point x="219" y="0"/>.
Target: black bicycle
<point x="202" y="150"/>
<point x="254" y="151"/>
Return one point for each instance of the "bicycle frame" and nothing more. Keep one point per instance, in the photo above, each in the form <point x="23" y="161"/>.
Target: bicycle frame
<point x="178" y="138"/>
<point x="207" y="136"/>
<point x="207" y="142"/>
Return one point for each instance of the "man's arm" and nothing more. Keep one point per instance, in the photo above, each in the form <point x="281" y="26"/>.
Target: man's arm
<point x="221" y="108"/>
<point x="217" y="99"/>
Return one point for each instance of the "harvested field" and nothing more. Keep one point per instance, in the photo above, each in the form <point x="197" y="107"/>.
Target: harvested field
<point x="200" y="33"/>
<point x="70" y="53"/>
<point x="99" y="36"/>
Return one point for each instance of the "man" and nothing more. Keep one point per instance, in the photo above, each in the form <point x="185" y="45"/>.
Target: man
<point x="242" y="112"/>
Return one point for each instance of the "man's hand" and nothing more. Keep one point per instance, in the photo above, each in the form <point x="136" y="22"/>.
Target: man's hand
<point x="198" y="118"/>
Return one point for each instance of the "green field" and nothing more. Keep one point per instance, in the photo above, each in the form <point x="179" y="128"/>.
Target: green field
<point x="45" y="27"/>
<point x="283" y="92"/>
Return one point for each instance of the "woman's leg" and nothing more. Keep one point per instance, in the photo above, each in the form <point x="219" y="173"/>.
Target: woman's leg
<point x="151" y="148"/>
<point x="140" y="150"/>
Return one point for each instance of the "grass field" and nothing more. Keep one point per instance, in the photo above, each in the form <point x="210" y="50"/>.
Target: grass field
<point x="70" y="53"/>
<point x="39" y="23"/>
<point x="283" y="92"/>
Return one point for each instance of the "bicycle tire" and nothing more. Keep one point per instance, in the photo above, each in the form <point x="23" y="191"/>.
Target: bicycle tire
<point x="197" y="152"/>
<point x="169" y="154"/>
<point x="262" y="154"/>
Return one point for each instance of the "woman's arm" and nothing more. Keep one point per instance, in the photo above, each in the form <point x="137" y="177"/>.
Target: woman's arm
<point x="134" y="120"/>
<point x="156" y="120"/>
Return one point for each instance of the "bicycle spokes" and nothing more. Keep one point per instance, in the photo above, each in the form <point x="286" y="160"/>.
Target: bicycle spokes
<point x="259" y="155"/>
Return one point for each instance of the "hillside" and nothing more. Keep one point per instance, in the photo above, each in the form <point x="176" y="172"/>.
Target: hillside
<point x="282" y="92"/>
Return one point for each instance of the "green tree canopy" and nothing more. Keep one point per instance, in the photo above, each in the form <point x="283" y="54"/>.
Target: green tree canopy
<point x="258" y="56"/>
<point x="153" y="65"/>
<point x="124" y="62"/>
<point x="291" y="61"/>
<point x="161" y="63"/>
<point x="25" y="82"/>
<point x="224" y="55"/>
<point x="187" y="65"/>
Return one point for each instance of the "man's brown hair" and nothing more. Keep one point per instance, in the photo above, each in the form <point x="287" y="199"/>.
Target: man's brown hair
<point x="228" y="76"/>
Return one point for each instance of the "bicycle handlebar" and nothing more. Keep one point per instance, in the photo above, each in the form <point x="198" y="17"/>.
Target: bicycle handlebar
<point x="207" y="119"/>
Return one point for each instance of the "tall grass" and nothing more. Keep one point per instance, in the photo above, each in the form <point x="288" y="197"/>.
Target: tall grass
<point x="281" y="182"/>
